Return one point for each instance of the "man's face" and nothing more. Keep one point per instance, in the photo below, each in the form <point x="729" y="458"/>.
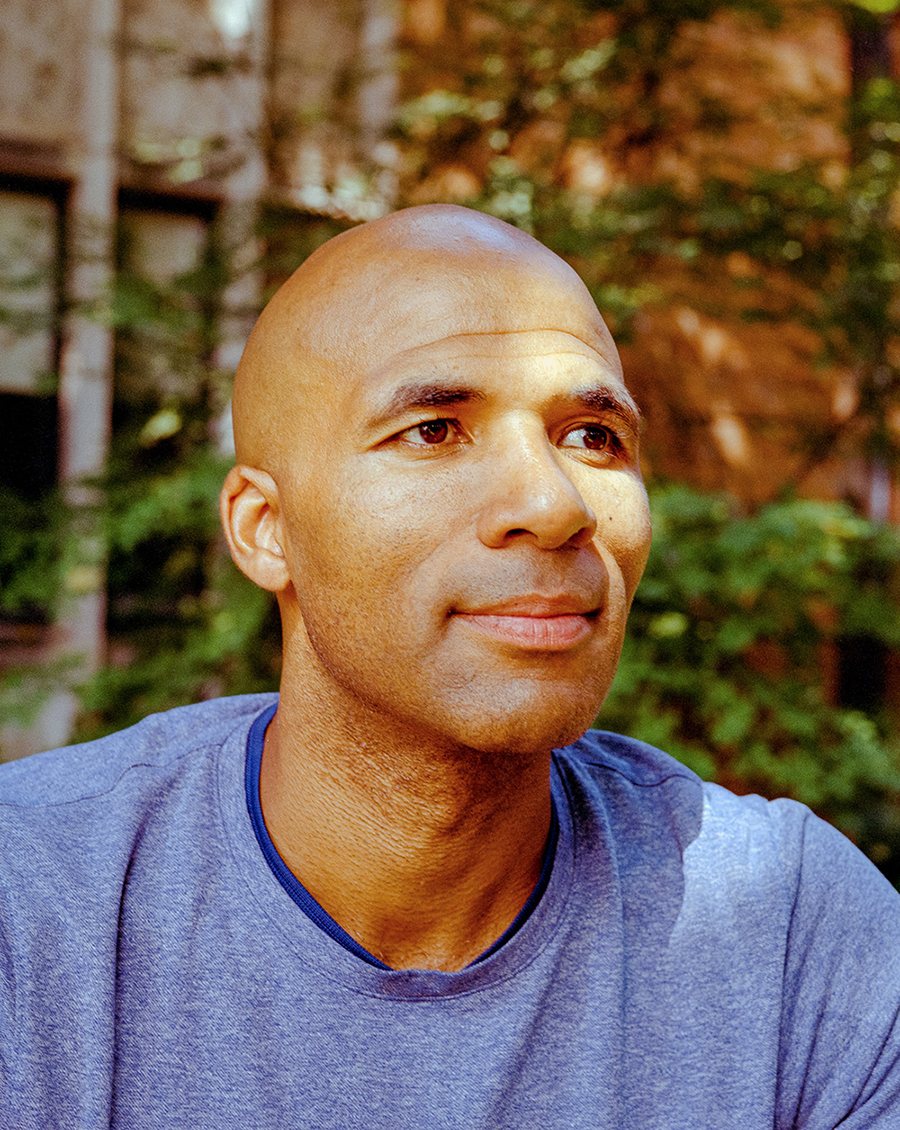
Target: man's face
<point x="464" y="521"/>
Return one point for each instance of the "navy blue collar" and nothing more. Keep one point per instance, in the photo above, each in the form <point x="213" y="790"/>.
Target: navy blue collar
<point x="304" y="899"/>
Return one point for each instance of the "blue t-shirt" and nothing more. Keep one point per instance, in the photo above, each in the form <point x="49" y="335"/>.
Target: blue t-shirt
<point x="697" y="960"/>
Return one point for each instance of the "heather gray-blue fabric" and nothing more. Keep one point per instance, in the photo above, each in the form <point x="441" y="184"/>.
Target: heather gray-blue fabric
<point x="697" y="961"/>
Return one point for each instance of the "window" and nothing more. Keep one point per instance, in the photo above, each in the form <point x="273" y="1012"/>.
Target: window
<point x="31" y="250"/>
<point x="30" y="306"/>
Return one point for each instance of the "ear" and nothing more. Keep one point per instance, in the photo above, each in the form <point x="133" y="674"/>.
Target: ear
<point x="251" y="518"/>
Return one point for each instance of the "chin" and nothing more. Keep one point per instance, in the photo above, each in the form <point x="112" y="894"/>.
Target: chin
<point x="529" y="726"/>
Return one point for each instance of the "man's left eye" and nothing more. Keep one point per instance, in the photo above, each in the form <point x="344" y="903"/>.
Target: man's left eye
<point x="431" y="432"/>
<point x="591" y="437"/>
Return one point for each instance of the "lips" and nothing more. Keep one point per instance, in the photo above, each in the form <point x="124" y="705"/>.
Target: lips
<point x="533" y="623"/>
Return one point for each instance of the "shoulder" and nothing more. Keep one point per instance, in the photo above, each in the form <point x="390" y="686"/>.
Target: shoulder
<point x="94" y="769"/>
<point x="755" y="909"/>
<point x="633" y="760"/>
<point x="631" y="774"/>
<point x="134" y="810"/>
<point x="739" y="847"/>
<point x="100" y="841"/>
<point x="73" y="818"/>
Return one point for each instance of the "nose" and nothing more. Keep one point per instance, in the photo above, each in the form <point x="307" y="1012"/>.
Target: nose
<point x="531" y="496"/>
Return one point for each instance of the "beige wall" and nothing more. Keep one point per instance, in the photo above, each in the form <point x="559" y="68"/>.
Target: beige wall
<point x="41" y="46"/>
<point x="191" y="92"/>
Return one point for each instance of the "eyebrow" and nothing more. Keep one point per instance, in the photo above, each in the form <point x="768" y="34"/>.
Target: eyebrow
<point x="432" y="394"/>
<point x="602" y="400"/>
<point x="425" y="394"/>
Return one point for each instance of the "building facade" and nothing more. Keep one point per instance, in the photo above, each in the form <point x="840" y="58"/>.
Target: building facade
<point x="129" y="129"/>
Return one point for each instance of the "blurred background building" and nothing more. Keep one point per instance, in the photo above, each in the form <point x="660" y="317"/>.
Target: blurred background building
<point x="127" y="129"/>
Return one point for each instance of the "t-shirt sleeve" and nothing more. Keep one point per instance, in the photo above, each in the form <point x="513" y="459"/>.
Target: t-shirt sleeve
<point x="840" y="1033"/>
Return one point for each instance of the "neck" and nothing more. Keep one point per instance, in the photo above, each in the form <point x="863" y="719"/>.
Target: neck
<point x="423" y="854"/>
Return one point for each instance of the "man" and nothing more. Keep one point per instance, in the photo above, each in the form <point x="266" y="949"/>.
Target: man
<point x="397" y="896"/>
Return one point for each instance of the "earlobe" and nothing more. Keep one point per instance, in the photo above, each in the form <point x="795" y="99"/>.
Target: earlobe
<point x="251" y="518"/>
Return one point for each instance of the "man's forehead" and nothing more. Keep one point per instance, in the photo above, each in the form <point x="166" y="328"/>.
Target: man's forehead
<point x="439" y="302"/>
<point x="393" y="286"/>
<point x="496" y="352"/>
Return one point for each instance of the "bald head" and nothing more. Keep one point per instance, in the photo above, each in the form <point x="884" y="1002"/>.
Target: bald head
<point x="416" y="276"/>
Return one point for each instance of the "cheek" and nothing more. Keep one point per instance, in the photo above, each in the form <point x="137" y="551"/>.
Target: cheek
<point x="623" y="527"/>
<point x="398" y="519"/>
<point x="358" y="549"/>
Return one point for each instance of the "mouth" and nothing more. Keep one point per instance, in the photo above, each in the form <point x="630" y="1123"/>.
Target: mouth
<point x="534" y="623"/>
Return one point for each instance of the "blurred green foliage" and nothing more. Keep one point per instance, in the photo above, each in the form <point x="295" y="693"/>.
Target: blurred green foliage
<point x="731" y="662"/>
